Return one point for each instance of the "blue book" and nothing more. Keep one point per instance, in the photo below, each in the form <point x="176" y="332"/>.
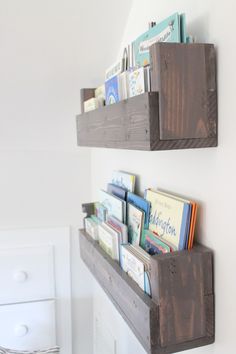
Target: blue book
<point x="142" y="204"/>
<point x="112" y="90"/>
<point x="117" y="191"/>
<point x="169" y="30"/>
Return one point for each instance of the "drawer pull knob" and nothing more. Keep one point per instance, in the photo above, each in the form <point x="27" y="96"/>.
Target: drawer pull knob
<point x="20" y="276"/>
<point x="21" y="330"/>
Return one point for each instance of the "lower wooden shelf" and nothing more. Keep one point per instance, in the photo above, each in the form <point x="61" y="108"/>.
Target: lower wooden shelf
<point x="180" y="314"/>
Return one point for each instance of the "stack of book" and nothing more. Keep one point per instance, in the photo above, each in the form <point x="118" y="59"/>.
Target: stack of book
<point x="130" y="75"/>
<point x="131" y="228"/>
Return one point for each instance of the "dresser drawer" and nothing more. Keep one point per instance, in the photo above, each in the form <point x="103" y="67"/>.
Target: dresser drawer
<point x="26" y="274"/>
<point x="29" y="326"/>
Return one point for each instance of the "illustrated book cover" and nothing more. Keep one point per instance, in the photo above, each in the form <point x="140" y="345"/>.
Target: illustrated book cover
<point x="135" y="219"/>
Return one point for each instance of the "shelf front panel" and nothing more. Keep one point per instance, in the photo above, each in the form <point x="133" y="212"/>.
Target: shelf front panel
<point x="137" y="308"/>
<point x="124" y="125"/>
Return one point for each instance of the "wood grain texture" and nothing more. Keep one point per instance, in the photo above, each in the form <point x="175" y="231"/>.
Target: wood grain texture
<point x="180" y="113"/>
<point x="137" y="308"/>
<point x="185" y="77"/>
<point x="180" y="314"/>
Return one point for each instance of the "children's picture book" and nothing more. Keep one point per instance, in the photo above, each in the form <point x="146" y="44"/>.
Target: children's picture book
<point x="135" y="220"/>
<point x="100" y="211"/>
<point x="91" y="228"/>
<point x="169" y="218"/>
<point x="124" y="180"/>
<point x="109" y="241"/>
<point x="118" y="225"/>
<point x="137" y="82"/>
<point x="112" y="90"/>
<point x="114" y="205"/>
<point x="132" y="265"/>
<point x="142" y="204"/>
<point x="117" y="191"/>
<point x="152" y="244"/>
<point x="169" y="30"/>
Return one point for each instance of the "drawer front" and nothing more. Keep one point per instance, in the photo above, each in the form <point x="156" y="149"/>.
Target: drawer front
<point x="26" y="274"/>
<point x="29" y="326"/>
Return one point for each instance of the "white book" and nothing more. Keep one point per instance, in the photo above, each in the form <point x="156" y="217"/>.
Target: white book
<point x="108" y="242"/>
<point x="124" y="180"/>
<point x="91" y="228"/>
<point x="133" y="266"/>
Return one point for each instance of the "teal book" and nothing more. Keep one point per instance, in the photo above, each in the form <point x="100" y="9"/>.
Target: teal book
<point x="169" y="30"/>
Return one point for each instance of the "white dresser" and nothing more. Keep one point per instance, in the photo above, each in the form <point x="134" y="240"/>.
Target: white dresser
<point x="35" y="295"/>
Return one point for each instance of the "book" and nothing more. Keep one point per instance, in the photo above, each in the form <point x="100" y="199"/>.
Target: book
<point x="114" y="205"/>
<point x="124" y="180"/>
<point x="132" y="265"/>
<point x="118" y="225"/>
<point x="166" y="31"/>
<point x="114" y="70"/>
<point x="142" y="204"/>
<point x="112" y="90"/>
<point x="91" y="227"/>
<point x="168" y="218"/>
<point x="123" y="83"/>
<point x="191" y="220"/>
<point x="135" y="220"/>
<point x="100" y="95"/>
<point x="100" y="211"/>
<point x="91" y="104"/>
<point x="152" y="244"/>
<point x="108" y="240"/>
<point x="117" y="191"/>
<point x="139" y="82"/>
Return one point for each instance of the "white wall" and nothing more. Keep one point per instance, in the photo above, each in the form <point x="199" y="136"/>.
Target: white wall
<point x="49" y="49"/>
<point x="206" y="175"/>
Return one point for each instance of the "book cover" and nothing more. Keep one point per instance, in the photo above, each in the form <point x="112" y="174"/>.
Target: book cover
<point x="114" y="205"/>
<point x="142" y="204"/>
<point x="91" y="228"/>
<point x="152" y="244"/>
<point x="123" y="228"/>
<point x="133" y="266"/>
<point x="108" y="241"/>
<point x="168" y="218"/>
<point x="137" y="84"/>
<point x="112" y="90"/>
<point x="166" y="31"/>
<point x="100" y="211"/>
<point x="117" y="191"/>
<point x="124" y="180"/>
<point x="135" y="219"/>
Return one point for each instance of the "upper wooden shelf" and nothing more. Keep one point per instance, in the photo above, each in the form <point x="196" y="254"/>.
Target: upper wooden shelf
<point x="180" y="314"/>
<point x="180" y="113"/>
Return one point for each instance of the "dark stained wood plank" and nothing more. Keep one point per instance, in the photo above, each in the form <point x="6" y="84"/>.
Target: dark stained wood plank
<point x="180" y="314"/>
<point x="185" y="77"/>
<point x="137" y="308"/>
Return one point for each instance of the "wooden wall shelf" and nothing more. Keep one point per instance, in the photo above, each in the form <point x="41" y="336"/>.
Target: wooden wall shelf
<point x="181" y="313"/>
<point x="180" y="113"/>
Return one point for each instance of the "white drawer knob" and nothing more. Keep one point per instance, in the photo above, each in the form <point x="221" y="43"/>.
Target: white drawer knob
<point x="20" y="276"/>
<point x="21" y="330"/>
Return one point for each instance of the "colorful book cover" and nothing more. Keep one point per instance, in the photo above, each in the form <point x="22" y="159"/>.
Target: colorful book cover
<point x="142" y="204"/>
<point x="100" y="211"/>
<point x="124" y="180"/>
<point x="168" y="218"/>
<point x="133" y="266"/>
<point x="135" y="219"/>
<point x="166" y="31"/>
<point x="123" y="228"/>
<point x="114" y="205"/>
<point x="117" y="191"/>
<point x="152" y="244"/>
<point x="112" y="91"/>
<point x="137" y="84"/>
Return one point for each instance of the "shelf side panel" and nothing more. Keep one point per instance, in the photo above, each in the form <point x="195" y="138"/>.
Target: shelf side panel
<point x="185" y="77"/>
